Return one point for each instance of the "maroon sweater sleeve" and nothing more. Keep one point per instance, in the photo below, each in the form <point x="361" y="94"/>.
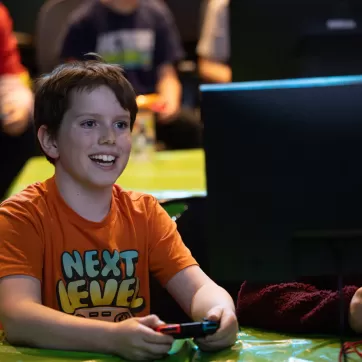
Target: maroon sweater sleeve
<point x="293" y="307"/>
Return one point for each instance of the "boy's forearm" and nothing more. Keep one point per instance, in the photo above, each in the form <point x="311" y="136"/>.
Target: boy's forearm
<point x="207" y="297"/>
<point x="38" y="326"/>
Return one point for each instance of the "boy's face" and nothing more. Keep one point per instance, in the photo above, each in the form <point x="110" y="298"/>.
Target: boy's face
<point x="121" y="6"/>
<point x="94" y="140"/>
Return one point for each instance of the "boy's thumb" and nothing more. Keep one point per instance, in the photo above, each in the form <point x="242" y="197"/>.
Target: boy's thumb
<point x="151" y="321"/>
<point x="214" y="314"/>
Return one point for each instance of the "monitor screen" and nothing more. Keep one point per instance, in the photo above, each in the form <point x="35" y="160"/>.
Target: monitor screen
<point x="284" y="177"/>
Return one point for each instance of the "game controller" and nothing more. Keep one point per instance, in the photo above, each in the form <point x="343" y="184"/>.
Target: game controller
<point x="189" y="330"/>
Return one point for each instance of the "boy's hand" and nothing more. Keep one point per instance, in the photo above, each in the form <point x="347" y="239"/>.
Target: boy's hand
<point x="225" y="336"/>
<point x="355" y="311"/>
<point x="135" y="339"/>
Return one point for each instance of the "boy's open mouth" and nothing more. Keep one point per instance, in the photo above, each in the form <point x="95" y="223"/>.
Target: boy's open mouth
<point x="103" y="160"/>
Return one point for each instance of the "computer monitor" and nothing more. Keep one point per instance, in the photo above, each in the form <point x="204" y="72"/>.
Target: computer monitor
<point x="284" y="178"/>
<point x="295" y="39"/>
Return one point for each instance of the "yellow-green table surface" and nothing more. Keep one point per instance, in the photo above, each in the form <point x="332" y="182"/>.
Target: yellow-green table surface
<point x="251" y="346"/>
<point x="166" y="175"/>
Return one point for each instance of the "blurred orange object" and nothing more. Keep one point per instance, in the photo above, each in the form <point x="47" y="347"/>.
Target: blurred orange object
<point x="143" y="133"/>
<point x="150" y="102"/>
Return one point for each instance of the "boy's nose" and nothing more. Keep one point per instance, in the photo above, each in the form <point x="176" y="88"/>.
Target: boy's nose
<point x="108" y="136"/>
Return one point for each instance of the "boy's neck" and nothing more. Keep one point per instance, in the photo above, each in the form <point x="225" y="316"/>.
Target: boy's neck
<point x="91" y="204"/>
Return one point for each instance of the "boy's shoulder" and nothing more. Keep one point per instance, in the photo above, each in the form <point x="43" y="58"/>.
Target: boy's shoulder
<point x="27" y="211"/>
<point x="31" y="198"/>
<point x="135" y="201"/>
<point x="34" y="202"/>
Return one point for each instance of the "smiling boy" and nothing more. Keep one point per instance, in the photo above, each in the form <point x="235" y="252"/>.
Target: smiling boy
<point x="76" y="250"/>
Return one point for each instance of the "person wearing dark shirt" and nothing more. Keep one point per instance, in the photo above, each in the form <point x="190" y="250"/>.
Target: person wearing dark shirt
<point x="309" y="305"/>
<point x="141" y="36"/>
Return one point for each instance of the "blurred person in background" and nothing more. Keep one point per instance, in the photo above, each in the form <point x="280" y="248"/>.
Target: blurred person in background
<point x="213" y="48"/>
<point x="17" y="141"/>
<point x="141" y="36"/>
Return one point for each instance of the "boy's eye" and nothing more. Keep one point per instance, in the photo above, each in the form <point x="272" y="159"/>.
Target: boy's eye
<point x="88" y="123"/>
<point x="122" y="124"/>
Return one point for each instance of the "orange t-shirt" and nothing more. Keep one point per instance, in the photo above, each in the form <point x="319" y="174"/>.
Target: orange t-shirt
<point x="90" y="269"/>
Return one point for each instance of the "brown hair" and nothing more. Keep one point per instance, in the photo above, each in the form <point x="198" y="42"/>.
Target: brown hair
<point x="53" y="90"/>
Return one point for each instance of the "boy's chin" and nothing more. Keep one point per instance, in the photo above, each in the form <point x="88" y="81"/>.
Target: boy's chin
<point x="102" y="183"/>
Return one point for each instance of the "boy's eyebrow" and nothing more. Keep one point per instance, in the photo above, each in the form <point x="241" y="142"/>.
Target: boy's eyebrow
<point x="97" y="115"/>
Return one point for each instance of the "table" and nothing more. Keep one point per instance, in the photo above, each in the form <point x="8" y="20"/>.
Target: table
<point x="165" y="175"/>
<point x="252" y="346"/>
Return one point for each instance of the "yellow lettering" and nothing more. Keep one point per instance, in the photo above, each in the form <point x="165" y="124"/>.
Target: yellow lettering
<point x="110" y="291"/>
<point x="63" y="298"/>
<point x="137" y="301"/>
<point x="125" y="293"/>
<point x="75" y="295"/>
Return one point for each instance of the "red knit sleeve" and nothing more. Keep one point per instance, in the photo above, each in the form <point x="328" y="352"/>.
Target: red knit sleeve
<point x="9" y="55"/>
<point x="292" y="307"/>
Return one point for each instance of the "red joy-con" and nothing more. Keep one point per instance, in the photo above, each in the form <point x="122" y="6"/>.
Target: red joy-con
<point x="169" y="329"/>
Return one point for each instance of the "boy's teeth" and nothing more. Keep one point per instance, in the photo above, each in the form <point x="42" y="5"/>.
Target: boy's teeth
<point x="104" y="158"/>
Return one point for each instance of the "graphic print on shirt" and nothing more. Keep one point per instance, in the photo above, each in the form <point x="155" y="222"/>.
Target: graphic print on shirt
<point x="131" y="48"/>
<point x="100" y="285"/>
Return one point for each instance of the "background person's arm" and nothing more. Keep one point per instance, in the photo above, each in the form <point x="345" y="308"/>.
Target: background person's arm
<point x="168" y="52"/>
<point x="213" y="47"/>
<point x="10" y="62"/>
<point x="170" y="90"/>
<point x="293" y="307"/>
<point x="213" y="71"/>
<point x="16" y="98"/>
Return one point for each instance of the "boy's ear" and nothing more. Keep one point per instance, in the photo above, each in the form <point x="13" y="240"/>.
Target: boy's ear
<point x="48" y="143"/>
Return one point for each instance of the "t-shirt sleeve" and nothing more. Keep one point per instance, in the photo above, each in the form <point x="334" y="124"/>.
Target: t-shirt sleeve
<point x="21" y="245"/>
<point x="214" y="43"/>
<point x="168" y="48"/>
<point x="168" y="255"/>
<point x="79" y="39"/>
<point x="9" y="54"/>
